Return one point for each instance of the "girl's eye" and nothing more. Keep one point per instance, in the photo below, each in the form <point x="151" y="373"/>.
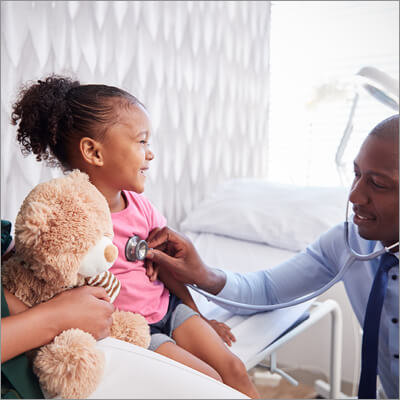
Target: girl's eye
<point x="143" y="142"/>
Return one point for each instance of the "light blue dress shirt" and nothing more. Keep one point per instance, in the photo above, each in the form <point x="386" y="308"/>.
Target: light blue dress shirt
<point x="313" y="268"/>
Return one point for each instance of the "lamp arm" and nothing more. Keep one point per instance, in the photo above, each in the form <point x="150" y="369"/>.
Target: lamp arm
<point x="346" y="134"/>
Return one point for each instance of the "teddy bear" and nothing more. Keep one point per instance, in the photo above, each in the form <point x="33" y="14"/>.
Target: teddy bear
<point x="63" y="239"/>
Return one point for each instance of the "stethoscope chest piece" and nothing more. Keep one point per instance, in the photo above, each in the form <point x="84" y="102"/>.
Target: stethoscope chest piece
<point x="136" y="249"/>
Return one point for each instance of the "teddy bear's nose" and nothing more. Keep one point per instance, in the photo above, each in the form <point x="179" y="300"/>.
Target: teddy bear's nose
<point x="110" y="253"/>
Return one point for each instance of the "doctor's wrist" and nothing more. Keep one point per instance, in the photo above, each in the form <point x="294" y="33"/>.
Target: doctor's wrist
<point x="212" y="280"/>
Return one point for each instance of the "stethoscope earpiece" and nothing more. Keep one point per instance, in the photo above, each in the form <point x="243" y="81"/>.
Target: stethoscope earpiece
<point x="136" y="249"/>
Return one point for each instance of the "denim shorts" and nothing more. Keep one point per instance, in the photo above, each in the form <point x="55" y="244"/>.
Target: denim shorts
<point x="176" y="315"/>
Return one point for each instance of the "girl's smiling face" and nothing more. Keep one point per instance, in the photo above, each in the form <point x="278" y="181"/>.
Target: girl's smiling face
<point x="125" y="150"/>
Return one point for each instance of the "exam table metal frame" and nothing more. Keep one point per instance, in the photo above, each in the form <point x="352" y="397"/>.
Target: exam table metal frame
<point x="317" y="311"/>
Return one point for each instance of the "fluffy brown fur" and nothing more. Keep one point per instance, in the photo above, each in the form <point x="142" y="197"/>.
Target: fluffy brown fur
<point x="70" y="357"/>
<point x="128" y="327"/>
<point x="58" y="223"/>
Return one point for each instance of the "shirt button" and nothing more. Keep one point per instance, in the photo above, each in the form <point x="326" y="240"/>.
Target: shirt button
<point x="394" y="277"/>
<point x="395" y="320"/>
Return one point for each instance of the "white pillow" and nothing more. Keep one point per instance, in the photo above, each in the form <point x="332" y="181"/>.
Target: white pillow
<point x="285" y="216"/>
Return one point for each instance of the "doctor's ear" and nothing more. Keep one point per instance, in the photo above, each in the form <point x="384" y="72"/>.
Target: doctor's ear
<point x="91" y="151"/>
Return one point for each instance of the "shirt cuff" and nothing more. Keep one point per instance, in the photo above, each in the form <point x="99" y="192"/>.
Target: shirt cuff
<point x="227" y="292"/>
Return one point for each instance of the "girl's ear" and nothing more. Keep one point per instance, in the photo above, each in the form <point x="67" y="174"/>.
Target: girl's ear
<point x="91" y="151"/>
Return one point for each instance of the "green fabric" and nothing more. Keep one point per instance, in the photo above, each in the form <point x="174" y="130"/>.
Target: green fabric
<point x="5" y="235"/>
<point x="17" y="378"/>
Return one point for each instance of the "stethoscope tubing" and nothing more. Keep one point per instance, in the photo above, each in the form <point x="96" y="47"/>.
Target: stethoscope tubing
<point x="354" y="256"/>
<point x="271" y="307"/>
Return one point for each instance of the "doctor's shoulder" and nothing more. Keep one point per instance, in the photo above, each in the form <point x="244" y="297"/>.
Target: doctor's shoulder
<point x="332" y="242"/>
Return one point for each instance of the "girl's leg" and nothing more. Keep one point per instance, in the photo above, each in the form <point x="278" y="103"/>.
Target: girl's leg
<point x="198" y="338"/>
<point x="171" y="350"/>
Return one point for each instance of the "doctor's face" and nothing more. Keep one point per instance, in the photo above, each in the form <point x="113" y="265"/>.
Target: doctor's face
<point x="375" y="189"/>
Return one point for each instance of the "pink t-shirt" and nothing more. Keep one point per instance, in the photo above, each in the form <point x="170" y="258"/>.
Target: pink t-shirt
<point x="137" y="294"/>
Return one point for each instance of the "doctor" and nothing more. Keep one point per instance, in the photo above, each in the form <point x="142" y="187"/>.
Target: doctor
<point x="375" y="198"/>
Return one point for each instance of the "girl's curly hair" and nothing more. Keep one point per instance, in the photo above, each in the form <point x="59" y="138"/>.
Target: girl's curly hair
<point x="55" y="113"/>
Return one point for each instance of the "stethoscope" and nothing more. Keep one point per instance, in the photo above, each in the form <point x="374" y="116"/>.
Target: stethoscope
<point x="354" y="256"/>
<point x="136" y="249"/>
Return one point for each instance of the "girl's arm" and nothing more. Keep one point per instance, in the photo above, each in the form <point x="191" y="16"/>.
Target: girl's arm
<point x="178" y="289"/>
<point x="87" y="308"/>
<point x="181" y="291"/>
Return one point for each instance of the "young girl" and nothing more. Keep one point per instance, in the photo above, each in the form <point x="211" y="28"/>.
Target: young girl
<point x="104" y="131"/>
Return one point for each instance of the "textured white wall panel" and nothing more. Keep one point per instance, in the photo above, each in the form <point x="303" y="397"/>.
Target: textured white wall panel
<point x="201" y="68"/>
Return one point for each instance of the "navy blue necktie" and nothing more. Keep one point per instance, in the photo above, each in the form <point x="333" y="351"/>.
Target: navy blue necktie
<point x="367" y="386"/>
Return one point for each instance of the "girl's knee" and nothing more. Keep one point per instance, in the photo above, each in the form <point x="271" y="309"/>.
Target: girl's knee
<point x="236" y="368"/>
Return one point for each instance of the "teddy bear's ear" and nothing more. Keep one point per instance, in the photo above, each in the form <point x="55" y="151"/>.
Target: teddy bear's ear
<point x="34" y="224"/>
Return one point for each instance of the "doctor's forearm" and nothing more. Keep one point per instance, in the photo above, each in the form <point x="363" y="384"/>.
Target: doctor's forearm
<point x="211" y="279"/>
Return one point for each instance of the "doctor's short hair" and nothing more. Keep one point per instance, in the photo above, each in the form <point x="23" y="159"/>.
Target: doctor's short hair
<point x="53" y="114"/>
<point x="387" y="129"/>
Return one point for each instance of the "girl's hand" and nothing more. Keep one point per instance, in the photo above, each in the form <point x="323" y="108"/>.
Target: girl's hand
<point x="223" y="331"/>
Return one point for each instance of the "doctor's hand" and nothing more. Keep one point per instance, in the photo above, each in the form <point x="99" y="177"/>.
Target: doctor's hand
<point x="175" y="252"/>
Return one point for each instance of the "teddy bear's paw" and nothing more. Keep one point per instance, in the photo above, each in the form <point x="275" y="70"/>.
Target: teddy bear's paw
<point x="71" y="366"/>
<point x="131" y="327"/>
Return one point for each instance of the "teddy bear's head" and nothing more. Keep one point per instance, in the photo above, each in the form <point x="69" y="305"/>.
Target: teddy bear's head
<point x="64" y="232"/>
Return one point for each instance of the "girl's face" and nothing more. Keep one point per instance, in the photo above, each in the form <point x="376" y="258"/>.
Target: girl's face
<point x="126" y="152"/>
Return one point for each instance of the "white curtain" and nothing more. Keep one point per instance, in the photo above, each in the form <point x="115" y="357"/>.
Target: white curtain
<point x="201" y="68"/>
